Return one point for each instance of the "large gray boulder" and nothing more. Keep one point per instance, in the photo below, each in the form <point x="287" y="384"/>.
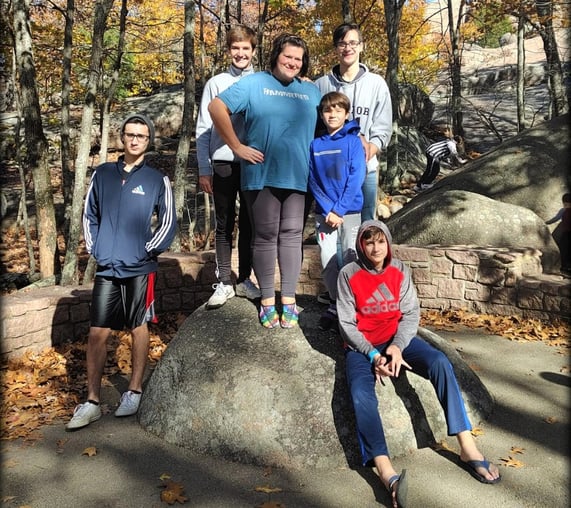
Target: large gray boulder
<point x="454" y="217"/>
<point x="530" y="170"/>
<point x="227" y="387"/>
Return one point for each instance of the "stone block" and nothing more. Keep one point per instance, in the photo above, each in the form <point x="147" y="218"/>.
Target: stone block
<point x="503" y="296"/>
<point x="421" y="275"/>
<point x="426" y="290"/>
<point x="477" y="292"/>
<point x="529" y="299"/>
<point x="407" y="253"/>
<point x="463" y="257"/>
<point x="465" y="272"/>
<point x="441" y="266"/>
<point x="491" y="275"/>
<point x="451" y="289"/>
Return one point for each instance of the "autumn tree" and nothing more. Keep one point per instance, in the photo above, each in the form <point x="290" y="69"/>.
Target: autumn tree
<point x="36" y="145"/>
<point x="69" y="272"/>
<point x="183" y="150"/>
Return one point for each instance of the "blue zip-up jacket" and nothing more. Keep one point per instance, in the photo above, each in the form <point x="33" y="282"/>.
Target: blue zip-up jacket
<point x="118" y="219"/>
<point x="337" y="169"/>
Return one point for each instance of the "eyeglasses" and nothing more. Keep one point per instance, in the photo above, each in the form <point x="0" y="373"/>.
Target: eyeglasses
<point x="348" y="44"/>
<point x="139" y="137"/>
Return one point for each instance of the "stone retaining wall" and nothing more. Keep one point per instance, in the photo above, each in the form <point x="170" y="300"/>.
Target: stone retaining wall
<point x="494" y="281"/>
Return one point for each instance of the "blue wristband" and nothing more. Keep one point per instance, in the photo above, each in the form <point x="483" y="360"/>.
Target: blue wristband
<point x="372" y="354"/>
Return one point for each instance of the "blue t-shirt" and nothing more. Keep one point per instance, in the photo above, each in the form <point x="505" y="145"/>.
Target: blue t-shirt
<point x="280" y="122"/>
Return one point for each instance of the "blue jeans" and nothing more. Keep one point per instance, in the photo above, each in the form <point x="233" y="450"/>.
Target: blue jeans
<point x="369" y="188"/>
<point x="426" y="361"/>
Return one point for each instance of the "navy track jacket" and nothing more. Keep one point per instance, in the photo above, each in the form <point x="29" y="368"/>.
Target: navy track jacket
<point x="118" y="220"/>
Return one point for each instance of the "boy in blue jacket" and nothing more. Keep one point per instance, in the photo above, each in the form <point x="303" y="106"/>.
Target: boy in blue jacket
<point x="122" y="201"/>
<point x="337" y="170"/>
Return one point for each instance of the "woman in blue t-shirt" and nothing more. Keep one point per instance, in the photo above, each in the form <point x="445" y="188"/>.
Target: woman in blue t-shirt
<point x="280" y="112"/>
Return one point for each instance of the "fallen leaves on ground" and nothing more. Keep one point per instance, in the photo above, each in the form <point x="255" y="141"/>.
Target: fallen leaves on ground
<point x="40" y="388"/>
<point x="517" y="328"/>
<point x="173" y="493"/>
<point x="511" y="462"/>
<point x="90" y="451"/>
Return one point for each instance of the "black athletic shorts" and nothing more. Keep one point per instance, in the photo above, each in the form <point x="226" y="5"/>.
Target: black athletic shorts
<point x="123" y="303"/>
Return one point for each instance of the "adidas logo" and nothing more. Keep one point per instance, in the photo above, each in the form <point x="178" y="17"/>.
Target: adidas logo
<point x="382" y="300"/>
<point x="138" y="190"/>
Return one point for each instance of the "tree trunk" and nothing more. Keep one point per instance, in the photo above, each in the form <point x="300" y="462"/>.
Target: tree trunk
<point x="66" y="147"/>
<point x="559" y="105"/>
<point x="181" y="165"/>
<point x="35" y="143"/>
<point x="393" y="14"/>
<point x="346" y="11"/>
<point x="262" y="17"/>
<point x="456" y="67"/>
<point x="69" y="273"/>
<point x="520" y="73"/>
<point x="110" y="95"/>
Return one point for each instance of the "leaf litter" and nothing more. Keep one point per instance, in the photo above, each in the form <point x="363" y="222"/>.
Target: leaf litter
<point x="41" y="388"/>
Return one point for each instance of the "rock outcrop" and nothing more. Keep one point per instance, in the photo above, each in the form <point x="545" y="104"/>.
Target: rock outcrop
<point x="228" y="387"/>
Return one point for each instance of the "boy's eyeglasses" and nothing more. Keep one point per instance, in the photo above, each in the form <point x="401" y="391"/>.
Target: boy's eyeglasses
<point x="139" y="137"/>
<point x="348" y="44"/>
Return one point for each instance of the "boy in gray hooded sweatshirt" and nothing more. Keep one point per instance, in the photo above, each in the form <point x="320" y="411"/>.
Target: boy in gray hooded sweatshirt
<point x="379" y="314"/>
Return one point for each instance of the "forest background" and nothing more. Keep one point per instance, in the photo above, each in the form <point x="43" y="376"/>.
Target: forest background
<point x="68" y="64"/>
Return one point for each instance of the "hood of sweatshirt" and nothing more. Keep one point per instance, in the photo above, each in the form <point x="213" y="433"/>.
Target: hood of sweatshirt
<point x="350" y="127"/>
<point x="362" y="259"/>
<point x="335" y="72"/>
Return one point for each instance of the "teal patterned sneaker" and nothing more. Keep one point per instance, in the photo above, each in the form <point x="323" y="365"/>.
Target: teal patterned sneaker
<point x="269" y="316"/>
<point x="290" y="315"/>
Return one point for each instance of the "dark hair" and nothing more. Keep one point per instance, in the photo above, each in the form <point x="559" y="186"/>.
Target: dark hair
<point x="372" y="232"/>
<point x="142" y="119"/>
<point x="293" y="40"/>
<point x="341" y="31"/>
<point x="241" y="33"/>
<point x="332" y="99"/>
<point x="566" y="197"/>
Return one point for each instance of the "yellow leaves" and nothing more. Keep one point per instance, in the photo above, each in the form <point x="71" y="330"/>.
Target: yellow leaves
<point x="172" y="492"/>
<point x="550" y="420"/>
<point x="43" y="387"/>
<point x="511" y="327"/>
<point x="477" y="431"/>
<point x="511" y="462"/>
<point x="90" y="451"/>
<point x="442" y="446"/>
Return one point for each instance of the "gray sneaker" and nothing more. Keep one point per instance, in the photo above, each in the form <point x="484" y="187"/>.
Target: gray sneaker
<point x="222" y="293"/>
<point x="83" y="415"/>
<point x="129" y="404"/>
<point x="247" y="289"/>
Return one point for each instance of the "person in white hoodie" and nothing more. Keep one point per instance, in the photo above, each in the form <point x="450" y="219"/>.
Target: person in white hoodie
<point x="219" y="174"/>
<point x="371" y="101"/>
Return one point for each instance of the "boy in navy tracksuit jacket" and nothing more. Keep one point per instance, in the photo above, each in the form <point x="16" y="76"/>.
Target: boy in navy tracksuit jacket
<point x="122" y="201"/>
<point x="337" y="169"/>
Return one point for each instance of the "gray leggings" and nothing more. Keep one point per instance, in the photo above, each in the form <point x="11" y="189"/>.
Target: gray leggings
<point x="277" y="222"/>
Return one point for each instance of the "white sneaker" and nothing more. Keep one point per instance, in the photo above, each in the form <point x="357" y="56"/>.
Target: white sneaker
<point x="83" y="415"/>
<point x="222" y="292"/>
<point x="247" y="289"/>
<point x="129" y="404"/>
